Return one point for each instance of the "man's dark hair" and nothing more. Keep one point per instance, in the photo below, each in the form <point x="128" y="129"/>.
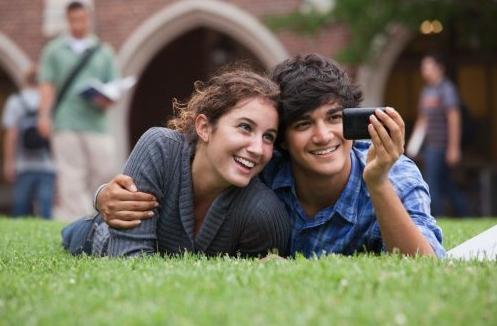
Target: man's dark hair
<point x="75" y="5"/>
<point x="439" y="58"/>
<point x="306" y="83"/>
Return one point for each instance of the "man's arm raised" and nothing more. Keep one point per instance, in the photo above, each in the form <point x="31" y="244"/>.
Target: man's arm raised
<point x="398" y="231"/>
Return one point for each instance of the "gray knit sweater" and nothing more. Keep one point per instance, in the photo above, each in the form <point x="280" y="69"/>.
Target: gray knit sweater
<point x="249" y="221"/>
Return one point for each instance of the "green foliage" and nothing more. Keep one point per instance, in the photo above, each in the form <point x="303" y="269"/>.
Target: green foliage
<point x="41" y="284"/>
<point x="367" y="20"/>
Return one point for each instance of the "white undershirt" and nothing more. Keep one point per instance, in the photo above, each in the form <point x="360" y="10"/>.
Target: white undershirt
<point x="79" y="45"/>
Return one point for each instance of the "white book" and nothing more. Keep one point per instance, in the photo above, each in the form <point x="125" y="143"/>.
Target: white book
<point x="415" y="142"/>
<point x="481" y="247"/>
<point x="112" y="90"/>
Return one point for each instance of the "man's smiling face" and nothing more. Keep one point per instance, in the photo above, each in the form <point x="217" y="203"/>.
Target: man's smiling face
<point x="316" y="144"/>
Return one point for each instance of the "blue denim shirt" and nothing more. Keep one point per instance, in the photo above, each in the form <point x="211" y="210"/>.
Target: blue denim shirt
<point x="350" y="225"/>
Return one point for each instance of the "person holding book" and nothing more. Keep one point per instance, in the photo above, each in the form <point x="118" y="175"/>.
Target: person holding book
<point x="77" y="127"/>
<point x="342" y="196"/>
<point x="203" y="173"/>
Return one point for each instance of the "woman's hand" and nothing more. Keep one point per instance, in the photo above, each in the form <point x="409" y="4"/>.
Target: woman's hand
<point x="387" y="132"/>
<point x="122" y="205"/>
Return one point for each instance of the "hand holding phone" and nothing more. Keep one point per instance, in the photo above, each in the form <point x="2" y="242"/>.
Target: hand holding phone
<point x="356" y="121"/>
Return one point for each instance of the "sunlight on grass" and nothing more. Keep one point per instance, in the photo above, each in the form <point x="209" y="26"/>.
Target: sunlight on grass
<point x="41" y="284"/>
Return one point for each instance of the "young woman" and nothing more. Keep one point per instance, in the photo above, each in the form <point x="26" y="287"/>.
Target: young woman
<point x="202" y="173"/>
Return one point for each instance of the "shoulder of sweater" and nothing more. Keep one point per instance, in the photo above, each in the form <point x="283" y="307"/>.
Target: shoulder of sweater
<point x="160" y="135"/>
<point x="160" y="141"/>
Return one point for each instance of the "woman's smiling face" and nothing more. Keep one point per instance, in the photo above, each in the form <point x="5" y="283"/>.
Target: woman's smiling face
<point x="241" y="142"/>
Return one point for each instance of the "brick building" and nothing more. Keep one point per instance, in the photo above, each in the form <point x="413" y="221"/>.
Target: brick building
<point x="168" y="44"/>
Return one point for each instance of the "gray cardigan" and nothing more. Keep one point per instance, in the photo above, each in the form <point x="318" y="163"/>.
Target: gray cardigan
<point x="248" y="221"/>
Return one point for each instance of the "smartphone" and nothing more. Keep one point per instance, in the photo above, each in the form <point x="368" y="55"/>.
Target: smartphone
<point x="355" y="122"/>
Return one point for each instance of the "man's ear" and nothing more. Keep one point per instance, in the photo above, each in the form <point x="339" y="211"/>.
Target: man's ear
<point x="202" y="127"/>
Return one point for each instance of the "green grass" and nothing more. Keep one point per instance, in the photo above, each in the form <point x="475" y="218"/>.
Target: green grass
<point x="42" y="285"/>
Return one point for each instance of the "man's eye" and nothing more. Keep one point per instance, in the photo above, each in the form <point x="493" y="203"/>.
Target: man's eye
<point x="336" y="117"/>
<point x="245" y="126"/>
<point x="301" y="125"/>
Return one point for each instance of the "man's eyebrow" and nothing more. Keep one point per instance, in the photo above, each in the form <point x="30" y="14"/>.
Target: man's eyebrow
<point x="335" y="110"/>
<point x="305" y="116"/>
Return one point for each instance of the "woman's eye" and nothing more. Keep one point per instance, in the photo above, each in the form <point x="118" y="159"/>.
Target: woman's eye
<point x="270" y="138"/>
<point x="245" y="126"/>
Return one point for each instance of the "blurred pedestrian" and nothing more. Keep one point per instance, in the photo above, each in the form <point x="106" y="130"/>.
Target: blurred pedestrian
<point x="439" y="118"/>
<point x="30" y="169"/>
<point x="81" y="142"/>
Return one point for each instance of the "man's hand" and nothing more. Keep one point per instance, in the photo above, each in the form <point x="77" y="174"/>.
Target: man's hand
<point x="102" y="102"/>
<point x="122" y="205"/>
<point x="387" y="134"/>
<point x="453" y="156"/>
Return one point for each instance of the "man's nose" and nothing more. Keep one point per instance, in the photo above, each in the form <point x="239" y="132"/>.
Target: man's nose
<point x="322" y="133"/>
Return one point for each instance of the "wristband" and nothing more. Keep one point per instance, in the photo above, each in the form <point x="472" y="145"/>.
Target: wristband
<point x="96" y="195"/>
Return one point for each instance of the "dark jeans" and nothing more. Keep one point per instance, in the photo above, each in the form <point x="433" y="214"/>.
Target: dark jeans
<point x="77" y="237"/>
<point x="34" y="190"/>
<point x="439" y="178"/>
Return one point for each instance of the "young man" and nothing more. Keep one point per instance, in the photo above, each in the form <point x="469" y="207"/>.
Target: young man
<point x="440" y="117"/>
<point x="342" y="196"/>
<point x="81" y="138"/>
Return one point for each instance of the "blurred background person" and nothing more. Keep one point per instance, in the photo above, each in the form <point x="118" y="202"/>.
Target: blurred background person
<point x="82" y="145"/>
<point x="31" y="171"/>
<point x="439" y="119"/>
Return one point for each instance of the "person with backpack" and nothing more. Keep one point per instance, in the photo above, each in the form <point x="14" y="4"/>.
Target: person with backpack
<point x="440" y="118"/>
<point x="28" y="164"/>
<point x="82" y="143"/>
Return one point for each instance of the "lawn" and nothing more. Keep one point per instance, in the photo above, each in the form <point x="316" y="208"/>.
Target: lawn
<point x="41" y="285"/>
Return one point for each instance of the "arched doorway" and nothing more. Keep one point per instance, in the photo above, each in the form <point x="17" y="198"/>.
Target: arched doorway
<point x="474" y="71"/>
<point x="170" y="74"/>
<point x="188" y="18"/>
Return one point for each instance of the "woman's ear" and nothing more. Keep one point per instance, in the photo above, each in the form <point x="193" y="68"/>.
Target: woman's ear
<point x="202" y="127"/>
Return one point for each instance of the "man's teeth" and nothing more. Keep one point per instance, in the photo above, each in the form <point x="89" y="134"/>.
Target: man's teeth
<point x="244" y="162"/>
<point x="325" y="151"/>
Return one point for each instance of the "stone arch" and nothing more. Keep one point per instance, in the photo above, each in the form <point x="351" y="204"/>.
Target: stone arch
<point x="13" y="60"/>
<point x="173" y="21"/>
<point x="373" y="75"/>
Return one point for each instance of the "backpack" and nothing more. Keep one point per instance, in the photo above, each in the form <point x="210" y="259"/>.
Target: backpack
<point x="30" y="138"/>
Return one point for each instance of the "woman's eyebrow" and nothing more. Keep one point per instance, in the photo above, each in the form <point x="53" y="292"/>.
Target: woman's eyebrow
<point x="252" y="122"/>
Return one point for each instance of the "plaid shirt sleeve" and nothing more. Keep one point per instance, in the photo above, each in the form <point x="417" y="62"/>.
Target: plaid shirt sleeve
<point x="414" y="194"/>
<point x="417" y="204"/>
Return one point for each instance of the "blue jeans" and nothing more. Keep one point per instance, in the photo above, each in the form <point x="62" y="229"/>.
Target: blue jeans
<point x="439" y="178"/>
<point x="77" y="237"/>
<point x="34" y="189"/>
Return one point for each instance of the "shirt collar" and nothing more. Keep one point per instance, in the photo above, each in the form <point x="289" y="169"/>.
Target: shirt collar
<point x="283" y="177"/>
<point x="347" y="203"/>
<point x="80" y="45"/>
